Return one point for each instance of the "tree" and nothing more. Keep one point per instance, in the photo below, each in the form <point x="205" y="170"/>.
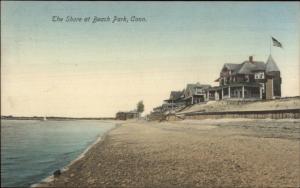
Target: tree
<point x="140" y="107"/>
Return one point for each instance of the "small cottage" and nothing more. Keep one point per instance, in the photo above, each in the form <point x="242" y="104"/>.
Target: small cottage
<point x="127" y="115"/>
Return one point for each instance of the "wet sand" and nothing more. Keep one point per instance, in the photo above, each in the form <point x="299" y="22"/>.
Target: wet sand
<point x="208" y="153"/>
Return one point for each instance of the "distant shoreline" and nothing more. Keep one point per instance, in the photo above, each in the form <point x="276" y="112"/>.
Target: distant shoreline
<point x="53" y="118"/>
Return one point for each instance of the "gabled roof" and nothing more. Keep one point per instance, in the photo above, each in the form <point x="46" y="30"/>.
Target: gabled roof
<point x="192" y="87"/>
<point x="175" y="95"/>
<point x="246" y="67"/>
<point x="271" y="65"/>
<point x="197" y="85"/>
<point x="232" y="66"/>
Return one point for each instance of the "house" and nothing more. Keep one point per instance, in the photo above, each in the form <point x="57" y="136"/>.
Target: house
<point x="195" y="93"/>
<point x="176" y="97"/>
<point x="247" y="80"/>
<point x="176" y="100"/>
<point x="127" y="115"/>
<point x="158" y="113"/>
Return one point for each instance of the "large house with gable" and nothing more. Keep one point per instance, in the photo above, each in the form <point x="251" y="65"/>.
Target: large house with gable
<point x="192" y="94"/>
<point x="247" y="81"/>
<point x="195" y="93"/>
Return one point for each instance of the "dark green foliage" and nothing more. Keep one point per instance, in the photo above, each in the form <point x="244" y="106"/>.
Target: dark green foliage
<point x="140" y="107"/>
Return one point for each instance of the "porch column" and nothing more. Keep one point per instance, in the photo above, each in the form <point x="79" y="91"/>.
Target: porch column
<point x="207" y="96"/>
<point x="243" y="92"/>
<point x="260" y="92"/>
<point x="229" y="92"/>
<point x="273" y="88"/>
<point x="192" y="100"/>
<point x="215" y="96"/>
<point x="222" y="94"/>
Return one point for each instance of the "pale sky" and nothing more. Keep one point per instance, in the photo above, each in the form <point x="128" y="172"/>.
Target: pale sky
<point x="84" y="69"/>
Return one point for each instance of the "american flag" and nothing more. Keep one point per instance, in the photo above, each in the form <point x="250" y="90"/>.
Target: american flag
<point x="276" y="43"/>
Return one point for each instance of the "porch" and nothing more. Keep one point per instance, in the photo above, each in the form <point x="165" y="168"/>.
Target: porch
<point x="240" y="91"/>
<point x="195" y="99"/>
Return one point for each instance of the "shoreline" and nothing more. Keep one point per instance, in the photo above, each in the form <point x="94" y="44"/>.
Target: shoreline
<point x="217" y="153"/>
<point x="98" y="140"/>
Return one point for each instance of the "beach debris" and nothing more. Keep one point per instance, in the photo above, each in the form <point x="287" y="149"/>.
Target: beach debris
<point x="57" y="173"/>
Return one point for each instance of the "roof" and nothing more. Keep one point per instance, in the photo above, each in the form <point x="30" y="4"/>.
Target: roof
<point x="192" y="88"/>
<point x="197" y="85"/>
<point x="271" y="65"/>
<point x="128" y="112"/>
<point x="175" y="95"/>
<point x="232" y="66"/>
<point x="248" y="67"/>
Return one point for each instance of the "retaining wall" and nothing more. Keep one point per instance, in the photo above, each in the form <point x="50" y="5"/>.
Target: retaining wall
<point x="271" y="114"/>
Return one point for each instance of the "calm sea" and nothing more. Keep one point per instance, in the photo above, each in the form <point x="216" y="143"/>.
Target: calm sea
<point x="33" y="150"/>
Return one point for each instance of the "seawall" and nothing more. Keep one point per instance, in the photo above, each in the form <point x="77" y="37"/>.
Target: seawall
<point x="264" y="114"/>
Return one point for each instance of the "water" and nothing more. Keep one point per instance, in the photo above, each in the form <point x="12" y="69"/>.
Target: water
<point x="32" y="150"/>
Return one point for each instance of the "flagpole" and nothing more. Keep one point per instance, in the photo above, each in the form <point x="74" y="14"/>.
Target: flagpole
<point x="270" y="45"/>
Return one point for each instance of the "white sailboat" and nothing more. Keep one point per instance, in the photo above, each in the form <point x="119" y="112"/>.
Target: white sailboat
<point x="44" y="118"/>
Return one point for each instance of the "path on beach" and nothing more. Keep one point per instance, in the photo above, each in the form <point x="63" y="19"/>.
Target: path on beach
<point x="192" y="154"/>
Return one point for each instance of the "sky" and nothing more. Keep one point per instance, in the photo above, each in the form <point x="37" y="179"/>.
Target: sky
<point x="85" y="69"/>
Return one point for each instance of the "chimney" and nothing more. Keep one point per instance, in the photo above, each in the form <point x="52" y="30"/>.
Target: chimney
<point x="251" y="59"/>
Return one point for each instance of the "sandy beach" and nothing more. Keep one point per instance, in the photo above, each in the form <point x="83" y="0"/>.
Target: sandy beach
<point x="191" y="153"/>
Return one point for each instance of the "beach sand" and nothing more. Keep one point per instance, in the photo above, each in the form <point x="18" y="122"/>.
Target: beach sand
<point x="190" y="153"/>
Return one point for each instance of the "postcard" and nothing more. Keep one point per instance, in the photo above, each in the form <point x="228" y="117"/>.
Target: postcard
<point x="150" y="94"/>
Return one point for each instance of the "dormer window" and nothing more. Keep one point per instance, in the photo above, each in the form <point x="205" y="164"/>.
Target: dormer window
<point x="259" y="75"/>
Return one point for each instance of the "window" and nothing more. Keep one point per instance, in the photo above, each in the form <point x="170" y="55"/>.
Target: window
<point x="259" y="75"/>
<point x="198" y="90"/>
